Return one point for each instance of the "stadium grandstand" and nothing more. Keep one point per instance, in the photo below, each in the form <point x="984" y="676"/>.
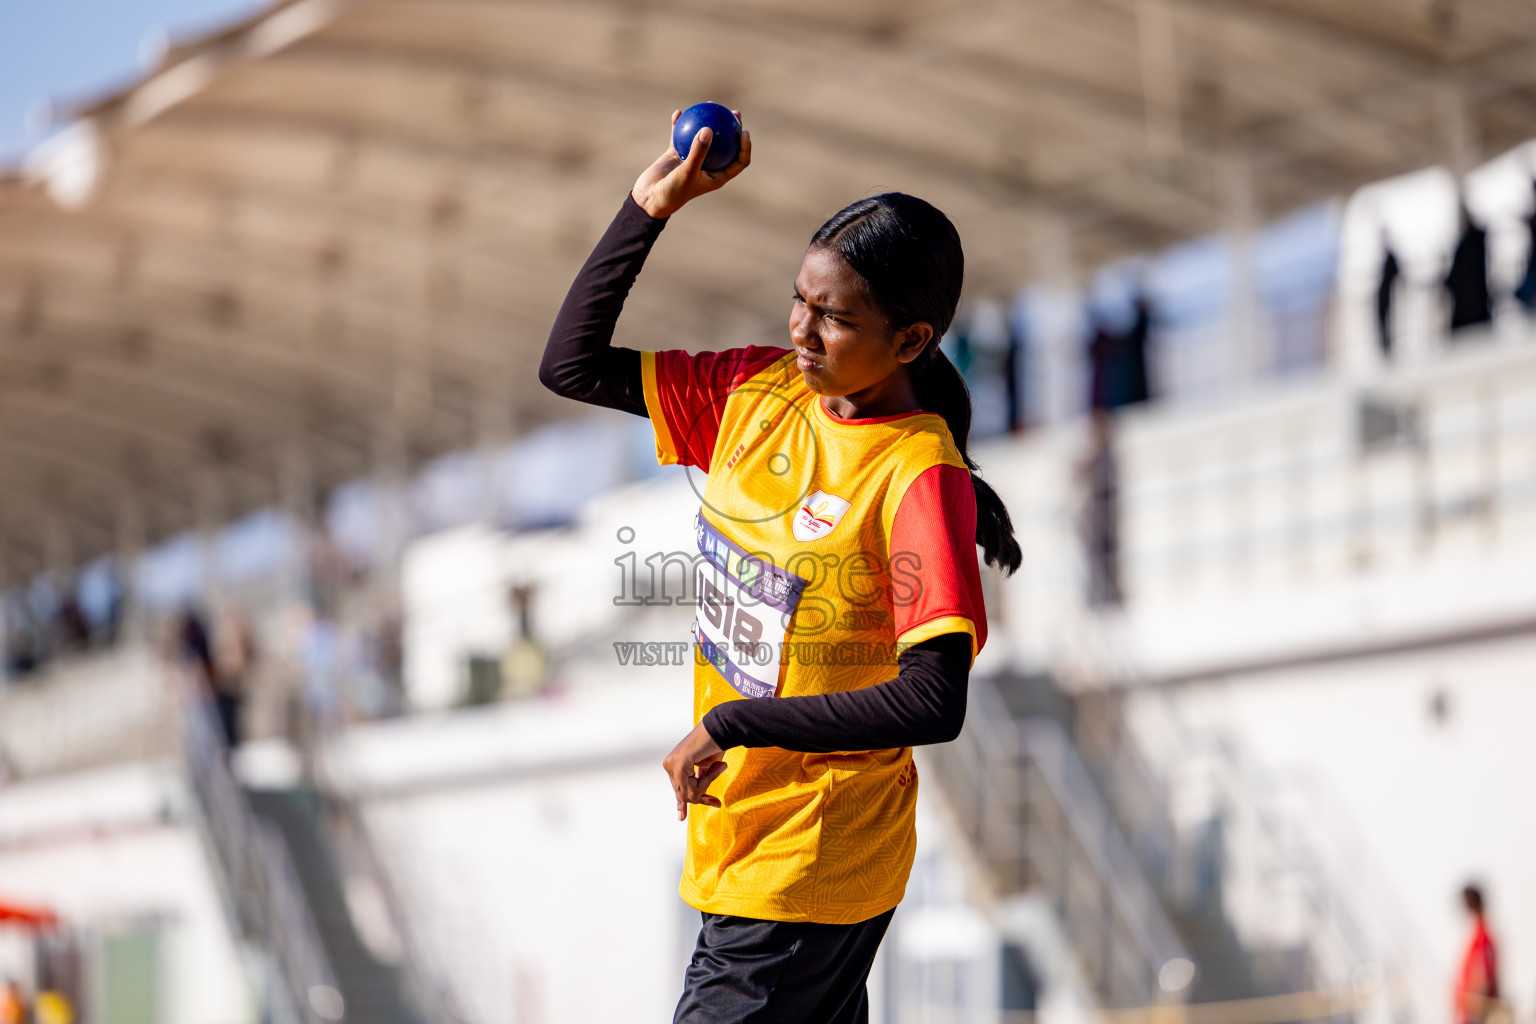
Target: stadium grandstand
<point x="336" y="665"/>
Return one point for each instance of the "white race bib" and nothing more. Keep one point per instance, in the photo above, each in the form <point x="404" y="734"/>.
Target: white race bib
<point x="745" y="605"/>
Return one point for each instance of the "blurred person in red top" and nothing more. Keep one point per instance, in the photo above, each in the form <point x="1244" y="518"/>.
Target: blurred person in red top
<point x="1477" y="984"/>
<point x="13" y="1009"/>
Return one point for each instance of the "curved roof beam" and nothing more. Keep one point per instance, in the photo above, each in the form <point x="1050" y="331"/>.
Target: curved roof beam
<point x="202" y="400"/>
<point x="266" y="370"/>
<point x="971" y="77"/>
<point x="1105" y="201"/>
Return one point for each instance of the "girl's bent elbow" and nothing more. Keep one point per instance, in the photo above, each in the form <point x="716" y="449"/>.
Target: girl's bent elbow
<point x="950" y="725"/>
<point x="941" y="731"/>
<point x="550" y="378"/>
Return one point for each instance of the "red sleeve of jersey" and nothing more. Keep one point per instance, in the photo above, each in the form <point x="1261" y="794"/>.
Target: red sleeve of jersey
<point x="935" y="576"/>
<point x="685" y="397"/>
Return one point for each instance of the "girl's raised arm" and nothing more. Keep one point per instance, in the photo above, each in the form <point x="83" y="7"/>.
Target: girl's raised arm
<point x="579" y="360"/>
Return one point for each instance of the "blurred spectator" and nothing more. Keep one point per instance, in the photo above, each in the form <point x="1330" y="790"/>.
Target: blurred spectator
<point x="101" y="595"/>
<point x="42" y="620"/>
<point x="23" y="654"/>
<point x="194" y="646"/>
<point x="70" y="626"/>
<point x="53" y="1008"/>
<point x="60" y="975"/>
<point x="42" y="599"/>
<point x="340" y="670"/>
<point x="320" y="655"/>
<point x="387" y="652"/>
<point x="1477" y="985"/>
<point x="1390" y="272"/>
<point x="1100" y="522"/>
<point x="1119" y="361"/>
<point x="196" y="650"/>
<point x="13" y="1009"/>
<point x="1014" y="365"/>
<point x="525" y="666"/>
<point x="1467" y="280"/>
<point x="961" y="351"/>
<point x="979" y="345"/>
<point x="234" y="658"/>
<point x="1526" y="292"/>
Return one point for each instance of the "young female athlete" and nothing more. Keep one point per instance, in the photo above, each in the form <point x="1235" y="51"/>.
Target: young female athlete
<point x="839" y="525"/>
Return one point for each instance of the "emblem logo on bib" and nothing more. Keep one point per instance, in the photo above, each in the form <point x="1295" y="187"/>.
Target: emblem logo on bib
<point x="817" y="515"/>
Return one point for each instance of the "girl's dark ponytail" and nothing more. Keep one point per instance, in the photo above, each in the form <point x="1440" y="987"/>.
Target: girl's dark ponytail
<point x="941" y="389"/>
<point x="909" y="255"/>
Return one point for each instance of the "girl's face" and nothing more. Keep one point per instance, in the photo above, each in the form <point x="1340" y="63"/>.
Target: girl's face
<point x="844" y="344"/>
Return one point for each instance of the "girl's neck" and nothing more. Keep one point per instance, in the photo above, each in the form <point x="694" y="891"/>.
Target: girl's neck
<point x="890" y="397"/>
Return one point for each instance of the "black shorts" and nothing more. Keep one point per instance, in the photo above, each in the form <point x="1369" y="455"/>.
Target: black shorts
<point x="746" y="971"/>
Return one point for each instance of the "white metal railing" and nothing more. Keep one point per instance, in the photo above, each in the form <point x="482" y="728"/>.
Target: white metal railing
<point x="1330" y="476"/>
<point x="1025" y="801"/>
<point x="1289" y="883"/>
<point x="1293" y="878"/>
<point x="424" y="968"/>
<point x="1207" y="823"/>
<point x="86" y="711"/>
<point x="260" y="881"/>
<point x="1322" y="481"/>
<point x="128" y="705"/>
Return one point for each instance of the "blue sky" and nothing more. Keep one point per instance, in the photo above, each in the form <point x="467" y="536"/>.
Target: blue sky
<point x="72" y="49"/>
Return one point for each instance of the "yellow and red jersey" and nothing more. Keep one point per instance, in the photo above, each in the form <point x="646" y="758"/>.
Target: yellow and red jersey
<point x="825" y="546"/>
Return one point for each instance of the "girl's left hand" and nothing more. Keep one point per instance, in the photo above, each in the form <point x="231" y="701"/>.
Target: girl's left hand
<point x="693" y="764"/>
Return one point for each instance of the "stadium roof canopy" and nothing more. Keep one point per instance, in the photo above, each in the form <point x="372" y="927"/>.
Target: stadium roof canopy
<point x="332" y="237"/>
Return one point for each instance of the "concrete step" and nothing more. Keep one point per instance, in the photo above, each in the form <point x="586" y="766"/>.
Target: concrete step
<point x="371" y="989"/>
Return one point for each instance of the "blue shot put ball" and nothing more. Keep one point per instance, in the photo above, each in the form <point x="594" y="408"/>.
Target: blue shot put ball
<point x="723" y="148"/>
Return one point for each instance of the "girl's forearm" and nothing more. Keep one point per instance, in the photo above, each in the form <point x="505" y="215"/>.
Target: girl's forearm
<point x="925" y="703"/>
<point x="579" y="360"/>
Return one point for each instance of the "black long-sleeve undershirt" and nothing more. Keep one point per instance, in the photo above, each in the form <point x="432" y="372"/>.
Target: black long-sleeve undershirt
<point x="580" y="361"/>
<point x="925" y="703"/>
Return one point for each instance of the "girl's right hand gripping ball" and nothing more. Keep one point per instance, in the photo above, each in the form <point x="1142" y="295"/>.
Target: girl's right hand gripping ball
<point x="725" y="146"/>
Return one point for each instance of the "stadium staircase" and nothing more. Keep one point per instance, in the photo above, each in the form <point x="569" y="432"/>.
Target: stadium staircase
<point x="1056" y="798"/>
<point x="371" y="989"/>
<point x="280" y="856"/>
<point x="1015" y="786"/>
<point x="127" y="705"/>
<point x="1187" y="871"/>
<point x="276" y="855"/>
<point x="258" y="880"/>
